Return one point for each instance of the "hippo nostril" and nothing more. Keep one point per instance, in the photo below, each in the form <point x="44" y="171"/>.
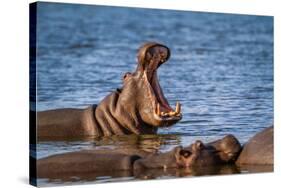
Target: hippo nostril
<point x="185" y="153"/>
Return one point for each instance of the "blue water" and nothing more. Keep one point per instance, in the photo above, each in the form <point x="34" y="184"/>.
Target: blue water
<point x="221" y="68"/>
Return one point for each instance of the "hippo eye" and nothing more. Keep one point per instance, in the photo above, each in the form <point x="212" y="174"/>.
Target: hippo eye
<point x="199" y="144"/>
<point x="119" y="90"/>
<point x="148" y="56"/>
<point x="126" y="75"/>
<point x="163" y="57"/>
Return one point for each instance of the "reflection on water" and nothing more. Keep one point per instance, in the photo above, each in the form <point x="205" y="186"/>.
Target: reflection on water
<point x="221" y="71"/>
<point x="148" y="143"/>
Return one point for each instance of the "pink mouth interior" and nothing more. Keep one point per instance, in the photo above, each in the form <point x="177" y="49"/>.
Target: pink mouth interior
<point x="164" y="105"/>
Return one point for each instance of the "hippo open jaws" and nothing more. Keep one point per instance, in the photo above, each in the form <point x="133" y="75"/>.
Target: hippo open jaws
<point x="139" y="107"/>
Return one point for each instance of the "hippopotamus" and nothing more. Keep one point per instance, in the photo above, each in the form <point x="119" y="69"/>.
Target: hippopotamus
<point x="139" y="107"/>
<point x="105" y="161"/>
<point x="258" y="150"/>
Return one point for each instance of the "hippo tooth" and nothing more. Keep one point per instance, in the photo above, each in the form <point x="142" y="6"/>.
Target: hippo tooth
<point x="158" y="109"/>
<point x="164" y="114"/>
<point x="178" y="108"/>
<point x="172" y="113"/>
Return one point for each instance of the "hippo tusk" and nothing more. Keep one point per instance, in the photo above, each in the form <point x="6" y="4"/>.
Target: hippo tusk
<point x="178" y="108"/>
<point x="158" y="109"/>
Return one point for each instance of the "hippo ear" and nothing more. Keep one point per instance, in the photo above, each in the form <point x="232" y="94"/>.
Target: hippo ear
<point x="198" y="145"/>
<point x="177" y="150"/>
<point x="118" y="90"/>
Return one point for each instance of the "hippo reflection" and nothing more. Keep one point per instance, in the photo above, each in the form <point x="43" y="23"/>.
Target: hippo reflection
<point x="184" y="172"/>
<point x="139" y="107"/>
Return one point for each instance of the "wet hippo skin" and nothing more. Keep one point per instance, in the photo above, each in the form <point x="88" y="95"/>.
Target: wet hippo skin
<point x="139" y="107"/>
<point x="258" y="150"/>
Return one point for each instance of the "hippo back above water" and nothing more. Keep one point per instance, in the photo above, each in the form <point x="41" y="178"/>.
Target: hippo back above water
<point x="259" y="149"/>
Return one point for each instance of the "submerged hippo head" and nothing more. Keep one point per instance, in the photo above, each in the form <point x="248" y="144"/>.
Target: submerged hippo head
<point x="221" y="151"/>
<point x="141" y="93"/>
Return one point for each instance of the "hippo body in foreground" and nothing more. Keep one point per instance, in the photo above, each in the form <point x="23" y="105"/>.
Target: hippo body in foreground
<point x="258" y="150"/>
<point x="84" y="162"/>
<point x="139" y="107"/>
<point x="107" y="161"/>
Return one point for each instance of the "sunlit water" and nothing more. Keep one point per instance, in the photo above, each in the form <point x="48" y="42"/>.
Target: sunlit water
<point x="221" y="70"/>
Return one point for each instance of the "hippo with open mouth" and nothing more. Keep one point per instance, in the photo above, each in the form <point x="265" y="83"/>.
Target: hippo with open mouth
<point x="139" y="107"/>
